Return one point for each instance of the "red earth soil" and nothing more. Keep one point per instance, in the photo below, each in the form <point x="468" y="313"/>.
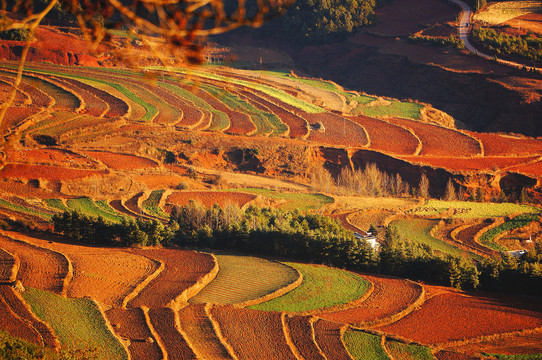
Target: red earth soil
<point x="523" y="24"/>
<point x="452" y="316"/>
<point x="6" y="88"/>
<point x="209" y="198"/>
<point x="510" y="344"/>
<point x="253" y="334"/>
<point x="488" y="163"/>
<point x="328" y="337"/>
<point x="199" y="330"/>
<point x="21" y="309"/>
<point x="7" y="267"/>
<point x="466" y="236"/>
<point x="45" y="172"/>
<point x="121" y="161"/>
<point x="17" y="115"/>
<point x="344" y="221"/>
<point x="166" y="117"/>
<point x="448" y="355"/>
<point x="64" y="99"/>
<point x="117" y="107"/>
<point x="534" y="169"/>
<point x="15" y="325"/>
<point x="387" y="137"/>
<point x="390" y="296"/>
<point x="38" y="97"/>
<point x="440" y="141"/>
<point x="296" y="124"/>
<point x="508" y="145"/>
<point x="94" y="106"/>
<point x="25" y="190"/>
<point x="131" y="324"/>
<point x="40" y="268"/>
<point x="440" y="30"/>
<point x="131" y="203"/>
<point x="301" y="333"/>
<point x="163" y="321"/>
<point x="57" y="157"/>
<point x="182" y="270"/>
<point x="337" y="130"/>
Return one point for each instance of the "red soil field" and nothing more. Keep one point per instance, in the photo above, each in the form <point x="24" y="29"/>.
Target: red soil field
<point x="56" y="157"/>
<point x="94" y="106"/>
<point x="466" y="236"/>
<point x="158" y="181"/>
<point x="21" y="309"/>
<point x="130" y="324"/>
<point x="17" y="188"/>
<point x="209" y="198"/>
<point x="523" y="24"/>
<point x="8" y="270"/>
<point x="163" y="321"/>
<point x="45" y="172"/>
<point x="5" y="92"/>
<point x="40" y="268"/>
<point x="15" y="325"/>
<point x="448" y="355"/>
<point x="527" y="343"/>
<point x="487" y="163"/>
<point x="534" y="169"/>
<point x="64" y="99"/>
<point x="338" y="130"/>
<point x="389" y="297"/>
<point x="440" y="31"/>
<point x="387" y="137"/>
<point x="440" y="141"/>
<point x="17" y="115"/>
<point x="121" y="161"/>
<point x="118" y="206"/>
<point x="116" y="106"/>
<point x="253" y="334"/>
<point x="38" y="97"/>
<point x="328" y="337"/>
<point x="452" y="316"/>
<point x="199" y="330"/>
<point x="508" y="145"/>
<point x="301" y="333"/>
<point x="182" y="270"/>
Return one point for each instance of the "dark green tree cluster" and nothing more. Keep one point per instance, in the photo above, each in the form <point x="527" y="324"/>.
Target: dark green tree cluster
<point x="270" y="232"/>
<point x="451" y="40"/>
<point x="527" y="46"/>
<point x="92" y="230"/>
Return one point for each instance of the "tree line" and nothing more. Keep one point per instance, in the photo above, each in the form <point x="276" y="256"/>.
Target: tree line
<point x="308" y="237"/>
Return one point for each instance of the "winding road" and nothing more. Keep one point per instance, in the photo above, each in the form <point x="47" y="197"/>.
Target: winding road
<point x="464" y="29"/>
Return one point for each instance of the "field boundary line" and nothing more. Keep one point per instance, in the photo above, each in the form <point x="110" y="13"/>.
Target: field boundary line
<point x="288" y="338"/>
<point x="218" y="332"/>
<point x="343" y="330"/>
<point x="282" y="291"/>
<point x="401" y="314"/>
<point x="24" y="321"/>
<point x="420" y="144"/>
<point x="385" y="348"/>
<point x="312" y="320"/>
<point x="183" y="334"/>
<point x="139" y="287"/>
<point x="460" y="244"/>
<point x="497" y="222"/>
<point x="482" y="338"/>
<point x="110" y="328"/>
<point x="157" y="337"/>
<point x="62" y="86"/>
<point x="182" y="300"/>
<point x="14" y="268"/>
<point x="482" y="149"/>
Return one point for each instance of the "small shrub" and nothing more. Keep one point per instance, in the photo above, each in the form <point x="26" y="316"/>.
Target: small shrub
<point x="183" y="185"/>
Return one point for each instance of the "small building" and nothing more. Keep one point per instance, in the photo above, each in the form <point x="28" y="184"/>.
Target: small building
<point x="369" y="238"/>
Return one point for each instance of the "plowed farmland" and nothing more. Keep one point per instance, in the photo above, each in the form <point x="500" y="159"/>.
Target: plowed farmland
<point x="253" y="334"/>
<point x="163" y="321"/>
<point x="302" y="334"/>
<point x="466" y="316"/>
<point x="328" y="337"/>
<point x="45" y="172"/>
<point x="8" y="266"/>
<point x="209" y="198"/>
<point x="470" y="165"/>
<point x="121" y="161"/>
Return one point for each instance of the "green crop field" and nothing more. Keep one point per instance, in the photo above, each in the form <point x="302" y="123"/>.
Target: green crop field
<point x="300" y="201"/>
<point x="515" y="357"/>
<point x="56" y="204"/>
<point x="91" y="208"/>
<point x="15" y="207"/>
<point x="150" y="205"/>
<point x="487" y="239"/>
<point x="418" y="230"/>
<point x="322" y="287"/>
<point x="465" y="209"/>
<point x="364" y="346"/>
<point x="395" y="109"/>
<point x="409" y="351"/>
<point x="77" y="323"/>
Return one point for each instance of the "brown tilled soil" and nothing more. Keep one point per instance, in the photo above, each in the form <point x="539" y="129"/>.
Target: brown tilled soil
<point x="302" y="335"/>
<point x="328" y="337"/>
<point x="253" y="334"/>
<point x="130" y="324"/>
<point x="163" y="321"/>
<point x="7" y="267"/>
<point x="15" y="325"/>
<point x="209" y="198"/>
<point x="528" y="343"/>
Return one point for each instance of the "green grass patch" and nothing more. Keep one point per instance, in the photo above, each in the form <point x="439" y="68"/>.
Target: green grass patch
<point x="517" y="222"/>
<point x="418" y="230"/>
<point x="473" y="210"/>
<point x="515" y="357"/>
<point x="300" y="201"/>
<point x="96" y="209"/>
<point x="268" y="90"/>
<point x="57" y="204"/>
<point x="150" y="205"/>
<point x="322" y="287"/>
<point x="364" y="346"/>
<point x="15" y="207"/>
<point x="409" y="351"/>
<point x="395" y="109"/>
<point x="78" y="323"/>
